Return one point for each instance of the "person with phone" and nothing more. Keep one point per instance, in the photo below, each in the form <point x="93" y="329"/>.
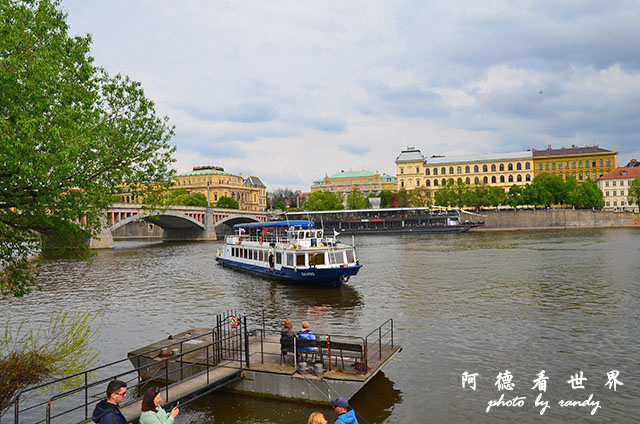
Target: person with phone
<point x="152" y="412"/>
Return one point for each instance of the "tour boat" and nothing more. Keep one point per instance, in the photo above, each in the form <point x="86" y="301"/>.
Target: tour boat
<point x="294" y="251"/>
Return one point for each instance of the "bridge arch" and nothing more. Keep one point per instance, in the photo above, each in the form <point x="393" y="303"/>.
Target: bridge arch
<point x="166" y="220"/>
<point x="225" y="225"/>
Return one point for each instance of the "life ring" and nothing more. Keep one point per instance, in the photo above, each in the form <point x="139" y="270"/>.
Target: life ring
<point x="260" y="240"/>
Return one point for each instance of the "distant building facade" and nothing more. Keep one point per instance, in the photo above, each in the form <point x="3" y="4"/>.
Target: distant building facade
<point x="615" y="187"/>
<point x="414" y="170"/>
<point x="498" y="169"/>
<point x="584" y="163"/>
<point x="214" y="182"/>
<point x="368" y="182"/>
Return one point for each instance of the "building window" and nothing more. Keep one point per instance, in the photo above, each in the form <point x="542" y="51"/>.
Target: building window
<point x="546" y="166"/>
<point x="435" y="182"/>
<point x="467" y="169"/>
<point x="444" y="181"/>
<point x="484" y="168"/>
<point x="443" y="171"/>
<point x="485" y="179"/>
<point x="593" y="163"/>
<point x="510" y="167"/>
<point x="580" y="165"/>
<point x="519" y="166"/>
<point x="401" y="183"/>
<point x="493" y="179"/>
<point x="417" y="183"/>
<point x="559" y="165"/>
<point x="540" y="166"/>
<point x="594" y="176"/>
<point x="519" y="178"/>
<point x="427" y="183"/>
<point x="417" y="169"/>
<point x="615" y="203"/>
<point x="527" y="177"/>
<point x="614" y="183"/>
<point x="501" y="178"/>
<point x="608" y="162"/>
<point x="510" y="178"/>
<point x="451" y="170"/>
<point x="476" y="180"/>
<point x="435" y="171"/>
<point x="460" y="170"/>
<point x="401" y="170"/>
<point x="501" y="167"/>
<point x="615" y="193"/>
<point x="600" y="162"/>
<point x="527" y="166"/>
<point x="553" y="166"/>
<point x="427" y="172"/>
<point x="607" y="203"/>
<point x="580" y="176"/>
<point x="468" y="180"/>
<point x="476" y="169"/>
<point x="606" y="183"/>
<point x="606" y="193"/>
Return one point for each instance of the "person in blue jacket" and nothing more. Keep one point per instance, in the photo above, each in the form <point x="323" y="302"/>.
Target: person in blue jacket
<point x="306" y="334"/>
<point x="346" y="415"/>
<point x="107" y="411"/>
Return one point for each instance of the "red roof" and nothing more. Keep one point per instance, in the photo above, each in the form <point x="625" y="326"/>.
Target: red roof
<point x="573" y="150"/>
<point x="617" y="173"/>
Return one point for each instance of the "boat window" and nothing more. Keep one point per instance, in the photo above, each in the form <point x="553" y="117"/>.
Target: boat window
<point x="316" y="258"/>
<point x="289" y="259"/>
<point x="334" y="257"/>
<point x="319" y="234"/>
<point x="351" y="257"/>
<point x="279" y="258"/>
<point x="245" y="253"/>
<point x="261" y="255"/>
<point x="300" y="259"/>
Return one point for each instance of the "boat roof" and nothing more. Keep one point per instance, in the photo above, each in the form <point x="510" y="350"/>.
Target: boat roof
<point x="303" y="223"/>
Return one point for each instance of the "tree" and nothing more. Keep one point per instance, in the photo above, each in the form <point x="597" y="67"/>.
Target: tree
<point x="593" y="197"/>
<point x="71" y="136"/>
<point x="496" y="196"/>
<point x="61" y="349"/>
<point x="356" y="199"/>
<point x="420" y="197"/>
<point x="281" y="205"/>
<point x="227" y="203"/>
<point x="446" y="195"/>
<point x="285" y="195"/>
<point x="384" y="196"/>
<point x="633" y="197"/>
<point x="323" y="201"/>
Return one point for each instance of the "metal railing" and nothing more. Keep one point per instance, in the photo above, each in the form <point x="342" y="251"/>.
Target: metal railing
<point x="378" y="339"/>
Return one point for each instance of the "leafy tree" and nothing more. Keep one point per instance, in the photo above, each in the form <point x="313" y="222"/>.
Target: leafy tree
<point x="569" y="189"/>
<point x="633" y="197"/>
<point x="549" y="189"/>
<point x="496" y="196"/>
<point x="356" y="199"/>
<point x="515" y="197"/>
<point x="71" y="136"/>
<point x="420" y="197"/>
<point x="401" y="198"/>
<point x="323" y="201"/>
<point x="281" y="205"/>
<point x="227" y="203"/>
<point x="285" y="195"/>
<point x="62" y="348"/>
<point x="593" y="197"/>
<point x="446" y="195"/>
<point x="384" y="196"/>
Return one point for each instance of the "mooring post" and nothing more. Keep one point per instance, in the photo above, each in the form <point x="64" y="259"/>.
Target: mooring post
<point x="86" y="395"/>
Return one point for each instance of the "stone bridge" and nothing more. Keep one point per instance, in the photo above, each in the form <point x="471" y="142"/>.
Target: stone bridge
<point x="178" y="222"/>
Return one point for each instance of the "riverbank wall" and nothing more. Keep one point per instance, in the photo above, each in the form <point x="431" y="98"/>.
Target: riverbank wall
<point x="552" y="218"/>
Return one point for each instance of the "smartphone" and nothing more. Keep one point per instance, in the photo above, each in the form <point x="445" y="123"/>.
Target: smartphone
<point x="178" y="404"/>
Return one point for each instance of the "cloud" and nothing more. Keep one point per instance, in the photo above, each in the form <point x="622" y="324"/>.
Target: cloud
<point x="290" y="91"/>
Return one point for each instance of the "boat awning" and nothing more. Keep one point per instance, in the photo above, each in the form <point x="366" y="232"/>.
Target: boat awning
<point x="277" y="224"/>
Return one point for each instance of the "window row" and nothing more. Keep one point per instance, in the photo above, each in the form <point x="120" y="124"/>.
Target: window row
<point x="613" y="183"/>
<point x="476" y="168"/>
<point x="565" y="165"/>
<point x="614" y="193"/>
<point x="296" y="259"/>
<point x="476" y="180"/>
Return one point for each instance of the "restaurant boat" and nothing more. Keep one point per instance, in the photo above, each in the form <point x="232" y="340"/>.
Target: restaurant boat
<point x="294" y="251"/>
<point x="392" y="220"/>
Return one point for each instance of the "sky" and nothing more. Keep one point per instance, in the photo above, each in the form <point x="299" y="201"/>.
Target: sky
<point x="291" y="91"/>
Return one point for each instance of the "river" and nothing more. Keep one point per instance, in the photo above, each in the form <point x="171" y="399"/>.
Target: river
<point x="563" y="301"/>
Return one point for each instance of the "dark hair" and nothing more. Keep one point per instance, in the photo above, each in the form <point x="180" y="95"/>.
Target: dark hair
<point x="147" y="400"/>
<point x="115" y="386"/>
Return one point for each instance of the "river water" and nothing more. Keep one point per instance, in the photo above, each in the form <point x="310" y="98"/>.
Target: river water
<point x="566" y="302"/>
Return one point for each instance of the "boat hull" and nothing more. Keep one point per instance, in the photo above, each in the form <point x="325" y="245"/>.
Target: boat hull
<point x="405" y="230"/>
<point x="329" y="277"/>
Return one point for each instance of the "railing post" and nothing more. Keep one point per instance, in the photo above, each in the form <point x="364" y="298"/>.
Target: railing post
<point x="86" y="395"/>
<point x="262" y="345"/>
<point x="16" y="410"/>
<point x="139" y="379"/>
<point x="208" y="364"/>
<point x="392" y="333"/>
<point x="166" y="381"/>
<point x="246" y="342"/>
<point x="48" y="418"/>
<point x="181" y="364"/>
<point x="380" y="343"/>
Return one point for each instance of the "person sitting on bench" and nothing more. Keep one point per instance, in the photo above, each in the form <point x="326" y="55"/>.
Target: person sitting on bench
<point x="306" y="334"/>
<point x="286" y="337"/>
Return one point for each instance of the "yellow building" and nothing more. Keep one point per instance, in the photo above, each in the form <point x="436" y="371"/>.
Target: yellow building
<point x="497" y="169"/>
<point x="214" y="183"/>
<point x="367" y="181"/>
<point x="589" y="162"/>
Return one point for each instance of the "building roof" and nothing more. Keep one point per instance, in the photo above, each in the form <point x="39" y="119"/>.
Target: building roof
<point x="207" y="171"/>
<point x="353" y="174"/>
<point x="633" y="163"/>
<point x="254" y="181"/>
<point x="622" y="172"/>
<point x="573" y="150"/>
<point x="387" y="177"/>
<point x="479" y="158"/>
<point x="410" y="154"/>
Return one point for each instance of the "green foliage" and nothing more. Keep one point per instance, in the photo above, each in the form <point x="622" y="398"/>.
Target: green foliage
<point x="356" y="199"/>
<point x="420" y="197"/>
<point x="182" y="197"/>
<point x="323" y="201"/>
<point x="71" y="136"/>
<point x="402" y="198"/>
<point x="496" y="196"/>
<point x="281" y="205"/>
<point x="227" y="203"/>
<point x="282" y="196"/>
<point x="384" y="196"/>
<point x="633" y="197"/>
<point x="60" y="349"/>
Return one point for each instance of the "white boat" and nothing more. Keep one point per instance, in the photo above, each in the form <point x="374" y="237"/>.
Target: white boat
<point x="293" y="251"/>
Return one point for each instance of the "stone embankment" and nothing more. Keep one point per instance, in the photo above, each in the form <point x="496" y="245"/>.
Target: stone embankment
<point x="553" y="218"/>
